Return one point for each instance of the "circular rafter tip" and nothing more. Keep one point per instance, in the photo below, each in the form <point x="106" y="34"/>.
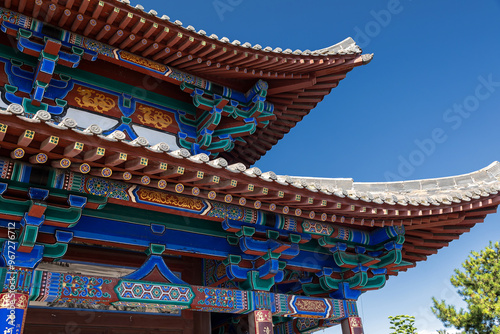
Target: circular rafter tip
<point x="68" y="123"/>
<point x="62" y="163"/>
<point x="269" y="176"/>
<point x="39" y="158"/>
<point x="253" y="172"/>
<point x="159" y="148"/>
<point x="138" y="142"/>
<point x="18" y="153"/>
<point x="117" y="135"/>
<point x="93" y="129"/>
<point x="179" y="154"/>
<point x="15" y="109"/>
<point x="42" y="115"/>
<point x="83" y="168"/>
<point x="237" y="167"/>
<point x="218" y="163"/>
<point x="199" y="158"/>
<point x="102" y="172"/>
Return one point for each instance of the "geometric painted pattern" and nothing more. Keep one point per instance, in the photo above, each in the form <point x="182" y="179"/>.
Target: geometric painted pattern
<point x="316" y="228"/>
<point x="161" y="293"/>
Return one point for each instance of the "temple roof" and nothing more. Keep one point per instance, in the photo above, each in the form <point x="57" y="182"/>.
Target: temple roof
<point x="432" y="211"/>
<point x="436" y="191"/>
<point x="297" y="80"/>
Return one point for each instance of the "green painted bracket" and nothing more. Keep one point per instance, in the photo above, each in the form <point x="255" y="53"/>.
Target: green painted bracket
<point x="224" y="144"/>
<point x="69" y="216"/>
<point x="28" y="237"/>
<point x="32" y="109"/>
<point x="232" y="259"/>
<point x="254" y="282"/>
<point x="54" y="251"/>
<point x="188" y="121"/>
<point x="271" y="256"/>
<point x="392" y="257"/>
<point x="375" y="282"/>
<point x="11" y="89"/>
<point x="359" y="280"/>
<point x="232" y="240"/>
<point x="342" y="259"/>
<point x="155" y="249"/>
<point x="272" y="234"/>
<point x="326" y="241"/>
<point x="248" y="128"/>
<point x="328" y="283"/>
<point x="402" y="264"/>
<point x="295" y="238"/>
<point x="190" y="87"/>
<point x="209" y="120"/>
<point x="77" y="50"/>
<point x="185" y="144"/>
<point x="257" y="108"/>
<point x="199" y="100"/>
<point x="54" y="58"/>
<point x="61" y="103"/>
<point x="13" y="207"/>
<point x="246" y="231"/>
<point x="204" y="140"/>
<point x="24" y="33"/>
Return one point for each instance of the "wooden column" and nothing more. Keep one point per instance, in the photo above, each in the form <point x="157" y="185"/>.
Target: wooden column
<point x="352" y="325"/>
<point x="260" y="322"/>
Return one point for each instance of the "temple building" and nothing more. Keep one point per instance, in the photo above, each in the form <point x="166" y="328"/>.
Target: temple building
<point x="129" y="202"/>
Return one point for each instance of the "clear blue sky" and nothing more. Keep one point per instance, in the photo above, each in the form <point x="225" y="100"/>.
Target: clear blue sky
<point x="430" y="56"/>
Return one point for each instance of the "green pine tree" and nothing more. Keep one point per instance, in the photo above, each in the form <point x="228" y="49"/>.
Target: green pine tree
<point x="479" y="285"/>
<point x="403" y="324"/>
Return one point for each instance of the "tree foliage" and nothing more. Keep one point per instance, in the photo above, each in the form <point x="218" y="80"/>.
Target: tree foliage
<point x="403" y="324"/>
<point x="479" y="286"/>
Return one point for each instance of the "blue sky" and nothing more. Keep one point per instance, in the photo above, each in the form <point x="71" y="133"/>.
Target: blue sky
<point x="435" y="78"/>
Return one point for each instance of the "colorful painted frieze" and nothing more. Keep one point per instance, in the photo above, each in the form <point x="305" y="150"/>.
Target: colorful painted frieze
<point x="83" y="290"/>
